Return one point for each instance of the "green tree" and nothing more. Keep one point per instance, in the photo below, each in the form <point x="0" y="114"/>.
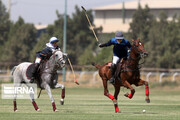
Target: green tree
<point x="22" y="38"/>
<point x="4" y="24"/>
<point x="157" y="36"/>
<point x="54" y="30"/>
<point x="79" y="36"/>
<point x="141" y="23"/>
<point x="163" y="43"/>
<point x="171" y="45"/>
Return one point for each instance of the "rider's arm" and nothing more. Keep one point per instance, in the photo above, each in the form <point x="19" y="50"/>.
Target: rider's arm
<point x="106" y="44"/>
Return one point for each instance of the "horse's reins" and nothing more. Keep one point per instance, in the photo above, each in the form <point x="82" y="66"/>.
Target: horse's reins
<point x="135" y="59"/>
<point x="56" y="64"/>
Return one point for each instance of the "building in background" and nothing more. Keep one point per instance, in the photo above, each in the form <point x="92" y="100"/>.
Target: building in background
<point x="40" y="29"/>
<point x="117" y="17"/>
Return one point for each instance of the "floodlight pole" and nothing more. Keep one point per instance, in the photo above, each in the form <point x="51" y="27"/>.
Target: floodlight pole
<point x="123" y="13"/>
<point x="9" y="7"/>
<point x="64" y="38"/>
<point x="139" y="3"/>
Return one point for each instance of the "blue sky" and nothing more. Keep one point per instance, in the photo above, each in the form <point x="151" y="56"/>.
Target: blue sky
<point x="44" y="11"/>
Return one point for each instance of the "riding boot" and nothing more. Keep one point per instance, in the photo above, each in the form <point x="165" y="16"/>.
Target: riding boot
<point x="113" y="69"/>
<point x="34" y="70"/>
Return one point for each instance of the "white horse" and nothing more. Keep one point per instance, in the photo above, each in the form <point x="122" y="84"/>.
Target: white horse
<point x="48" y="77"/>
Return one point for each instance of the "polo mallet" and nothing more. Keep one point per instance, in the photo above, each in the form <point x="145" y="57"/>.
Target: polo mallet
<point x="75" y="80"/>
<point x="39" y="93"/>
<point x="91" y="27"/>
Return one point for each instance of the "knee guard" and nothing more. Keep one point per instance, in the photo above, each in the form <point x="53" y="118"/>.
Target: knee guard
<point x="113" y="68"/>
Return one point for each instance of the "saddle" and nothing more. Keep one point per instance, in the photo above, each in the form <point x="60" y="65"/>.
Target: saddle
<point x="37" y="74"/>
<point x="119" y="69"/>
<point x="29" y="71"/>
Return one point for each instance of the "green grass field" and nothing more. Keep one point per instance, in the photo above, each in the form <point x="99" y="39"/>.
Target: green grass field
<point x="91" y="104"/>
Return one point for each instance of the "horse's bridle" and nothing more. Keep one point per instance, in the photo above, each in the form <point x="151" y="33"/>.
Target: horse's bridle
<point x="137" y="46"/>
<point x="140" y="55"/>
<point x="56" y="60"/>
<point x="60" y="61"/>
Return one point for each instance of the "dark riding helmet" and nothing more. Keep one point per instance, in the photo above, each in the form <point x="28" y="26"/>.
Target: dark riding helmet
<point x="119" y="36"/>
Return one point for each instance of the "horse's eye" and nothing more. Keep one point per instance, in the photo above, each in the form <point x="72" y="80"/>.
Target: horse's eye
<point x="56" y="55"/>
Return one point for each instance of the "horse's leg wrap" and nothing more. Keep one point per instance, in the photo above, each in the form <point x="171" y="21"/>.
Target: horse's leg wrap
<point x="131" y="94"/>
<point x="147" y="90"/>
<point x="63" y="93"/>
<point x="35" y="105"/>
<point x="15" y="105"/>
<point x="116" y="107"/>
<point x="110" y="96"/>
<point x="62" y="96"/>
<point x="54" y="106"/>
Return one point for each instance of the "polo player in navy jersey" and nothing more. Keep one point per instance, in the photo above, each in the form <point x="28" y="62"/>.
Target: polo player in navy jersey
<point x="120" y="50"/>
<point x="44" y="55"/>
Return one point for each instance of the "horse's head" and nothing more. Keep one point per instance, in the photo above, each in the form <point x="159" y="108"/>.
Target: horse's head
<point x="59" y="58"/>
<point x="139" y="48"/>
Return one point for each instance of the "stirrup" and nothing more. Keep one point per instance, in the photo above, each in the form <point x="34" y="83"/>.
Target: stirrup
<point x="32" y="80"/>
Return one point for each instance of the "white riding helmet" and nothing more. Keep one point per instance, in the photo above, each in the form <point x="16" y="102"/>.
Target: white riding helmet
<point x="53" y="39"/>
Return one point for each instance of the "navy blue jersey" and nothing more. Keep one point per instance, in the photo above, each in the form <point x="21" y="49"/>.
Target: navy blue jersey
<point x="44" y="54"/>
<point x="119" y="49"/>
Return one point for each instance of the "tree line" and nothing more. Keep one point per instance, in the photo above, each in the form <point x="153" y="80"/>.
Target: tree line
<point x="19" y="42"/>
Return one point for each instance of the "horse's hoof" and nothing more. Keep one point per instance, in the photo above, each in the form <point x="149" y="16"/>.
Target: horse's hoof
<point x="16" y="110"/>
<point x="62" y="101"/>
<point x="118" y="112"/>
<point x="126" y="95"/>
<point x="147" y="100"/>
<point x="56" y="110"/>
<point x="38" y="110"/>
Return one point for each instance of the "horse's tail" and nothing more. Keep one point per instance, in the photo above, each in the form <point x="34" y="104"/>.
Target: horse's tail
<point x="12" y="71"/>
<point x="96" y="65"/>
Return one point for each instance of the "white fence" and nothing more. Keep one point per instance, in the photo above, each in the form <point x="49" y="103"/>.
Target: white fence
<point x="92" y="77"/>
<point x="172" y="76"/>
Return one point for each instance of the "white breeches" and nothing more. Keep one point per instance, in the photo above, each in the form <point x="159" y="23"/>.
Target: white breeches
<point x="115" y="59"/>
<point x="38" y="60"/>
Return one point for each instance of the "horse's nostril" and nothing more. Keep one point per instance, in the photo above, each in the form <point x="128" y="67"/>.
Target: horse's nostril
<point x="145" y="54"/>
<point x="62" y="62"/>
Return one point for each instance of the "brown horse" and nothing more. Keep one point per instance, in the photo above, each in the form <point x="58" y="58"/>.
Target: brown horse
<point x="127" y="71"/>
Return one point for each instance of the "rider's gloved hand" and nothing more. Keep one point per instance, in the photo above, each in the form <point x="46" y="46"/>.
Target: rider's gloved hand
<point x="129" y="51"/>
<point x="100" y="45"/>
